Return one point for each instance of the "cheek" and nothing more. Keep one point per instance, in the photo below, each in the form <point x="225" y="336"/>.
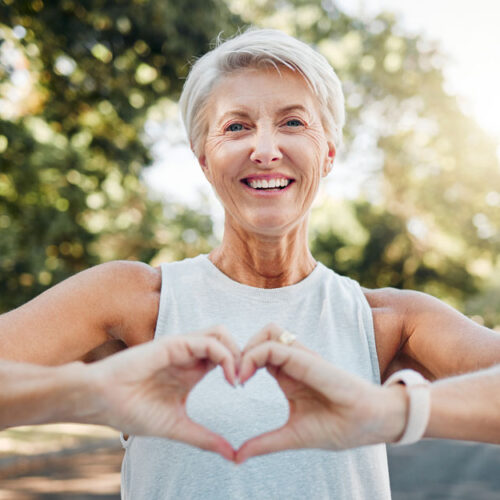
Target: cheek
<point x="311" y="153"/>
<point x="223" y="151"/>
<point x="220" y="169"/>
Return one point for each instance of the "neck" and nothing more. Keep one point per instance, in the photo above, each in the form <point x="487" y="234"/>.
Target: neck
<point x="264" y="261"/>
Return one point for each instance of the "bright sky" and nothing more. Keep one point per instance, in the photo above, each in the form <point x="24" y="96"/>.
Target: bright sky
<point x="468" y="32"/>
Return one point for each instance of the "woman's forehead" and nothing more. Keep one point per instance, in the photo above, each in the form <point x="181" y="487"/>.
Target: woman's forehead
<point x="270" y="88"/>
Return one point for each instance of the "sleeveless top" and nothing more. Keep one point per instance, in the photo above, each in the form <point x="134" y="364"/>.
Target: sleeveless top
<point x="330" y="315"/>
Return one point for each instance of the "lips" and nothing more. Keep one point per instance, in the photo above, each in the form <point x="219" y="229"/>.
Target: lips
<point x="267" y="182"/>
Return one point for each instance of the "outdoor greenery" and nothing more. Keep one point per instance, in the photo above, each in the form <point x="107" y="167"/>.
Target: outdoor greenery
<point x="72" y="151"/>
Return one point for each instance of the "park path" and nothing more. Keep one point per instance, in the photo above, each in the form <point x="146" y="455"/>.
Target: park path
<point x="445" y="470"/>
<point x="86" y="473"/>
<point x="429" y="470"/>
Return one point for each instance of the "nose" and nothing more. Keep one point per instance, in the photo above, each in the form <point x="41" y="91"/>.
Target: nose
<point x="266" y="152"/>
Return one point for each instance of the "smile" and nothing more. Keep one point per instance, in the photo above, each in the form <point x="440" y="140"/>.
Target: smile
<point x="266" y="184"/>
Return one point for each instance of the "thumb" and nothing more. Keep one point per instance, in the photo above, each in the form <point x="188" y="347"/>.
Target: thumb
<point x="283" y="438"/>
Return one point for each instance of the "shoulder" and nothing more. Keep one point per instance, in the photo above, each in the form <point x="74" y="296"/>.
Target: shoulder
<point x="113" y="301"/>
<point x="416" y="330"/>
<point x="402" y="308"/>
<point x="136" y="274"/>
<point x="399" y="301"/>
<point x="117" y="279"/>
<point x="131" y="294"/>
<point x="138" y="288"/>
<point x="112" y="272"/>
<point x="388" y="299"/>
<point x="406" y="304"/>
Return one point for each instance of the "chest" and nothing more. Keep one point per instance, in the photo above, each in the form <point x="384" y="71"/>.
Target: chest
<point x="340" y="333"/>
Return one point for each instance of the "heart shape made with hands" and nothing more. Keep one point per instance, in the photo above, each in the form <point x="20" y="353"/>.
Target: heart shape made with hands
<point x="238" y="413"/>
<point x="314" y="405"/>
<point x="297" y="407"/>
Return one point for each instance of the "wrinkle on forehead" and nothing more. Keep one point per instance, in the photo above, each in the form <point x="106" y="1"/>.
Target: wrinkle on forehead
<point x="228" y="96"/>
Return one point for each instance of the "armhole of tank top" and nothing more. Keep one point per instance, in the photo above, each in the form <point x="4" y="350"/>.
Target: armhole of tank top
<point x="125" y="441"/>
<point x="160" y="320"/>
<point x="365" y="318"/>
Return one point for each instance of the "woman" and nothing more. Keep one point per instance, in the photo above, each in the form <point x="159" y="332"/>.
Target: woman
<point x="264" y="114"/>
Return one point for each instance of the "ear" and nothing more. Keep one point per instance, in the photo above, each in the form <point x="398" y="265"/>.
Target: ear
<point x="202" y="160"/>
<point x="328" y="164"/>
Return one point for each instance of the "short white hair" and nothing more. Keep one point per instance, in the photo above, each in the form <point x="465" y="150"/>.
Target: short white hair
<point x="253" y="49"/>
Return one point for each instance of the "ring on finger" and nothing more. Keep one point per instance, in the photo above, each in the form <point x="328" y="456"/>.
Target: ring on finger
<point x="286" y="337"/>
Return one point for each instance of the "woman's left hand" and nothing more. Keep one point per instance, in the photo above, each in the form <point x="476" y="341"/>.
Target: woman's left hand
<point x="329" y="408"/>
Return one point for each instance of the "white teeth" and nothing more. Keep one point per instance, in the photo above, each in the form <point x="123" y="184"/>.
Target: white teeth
<point x="269" y="184"/>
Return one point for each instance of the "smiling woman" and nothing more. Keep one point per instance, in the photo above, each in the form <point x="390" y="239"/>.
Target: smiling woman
<point x="264" y="114"/>
<point x="264" y="156"/>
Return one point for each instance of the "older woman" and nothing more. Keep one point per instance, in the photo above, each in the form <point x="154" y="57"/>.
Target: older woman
<point x="264" y="114"/>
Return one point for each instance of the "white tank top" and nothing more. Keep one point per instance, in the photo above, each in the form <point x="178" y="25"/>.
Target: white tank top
<point x="330" y="315"/>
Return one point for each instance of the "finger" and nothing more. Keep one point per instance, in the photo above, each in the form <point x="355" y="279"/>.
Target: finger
<point x="269" y="354"/>
<point x="221" y="333"/>
<point x="272" y="331"/>
<point x="303" y="366"/>
<point x="269" y="442"/>
<point x="211" y="349"/>
<point x="186" y="350"/>
<point x="196" y="435"/>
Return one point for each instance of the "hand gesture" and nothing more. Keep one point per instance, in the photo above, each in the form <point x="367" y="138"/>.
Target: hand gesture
<point x="329" y="408"/>
<point x="143" y="390"/>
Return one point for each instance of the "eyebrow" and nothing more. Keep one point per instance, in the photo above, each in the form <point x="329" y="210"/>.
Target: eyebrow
<point x="243" y="113"/>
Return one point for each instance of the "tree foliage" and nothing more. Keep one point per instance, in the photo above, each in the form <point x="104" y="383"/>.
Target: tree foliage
<point x="72" y="150"/>
<point x="71" y="159"/>
<point x="434" y="221"/>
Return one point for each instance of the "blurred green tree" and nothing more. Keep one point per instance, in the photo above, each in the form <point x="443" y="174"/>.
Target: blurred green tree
<point x="428" y="218"/>
<point x="72" y="147"/>
<point x="433" y="223"/>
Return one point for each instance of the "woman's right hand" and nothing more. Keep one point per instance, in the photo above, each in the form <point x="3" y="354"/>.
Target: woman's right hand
<point x="143" y="390"/>
<point x="329" y="407"/>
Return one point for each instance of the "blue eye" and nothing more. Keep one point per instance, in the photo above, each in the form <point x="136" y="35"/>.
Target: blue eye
<point x="294" y="123"/>
<point x="235" y="127"/>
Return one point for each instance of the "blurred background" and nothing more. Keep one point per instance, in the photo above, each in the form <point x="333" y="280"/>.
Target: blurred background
<point x="94" y="166"/>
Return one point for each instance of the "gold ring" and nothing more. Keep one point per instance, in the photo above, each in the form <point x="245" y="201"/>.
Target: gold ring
<point x="287" y="338"/>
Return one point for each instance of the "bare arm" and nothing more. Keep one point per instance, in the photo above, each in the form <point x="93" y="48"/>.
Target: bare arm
<point x="466" y="407"/>
<point x="333" y="409"/>
<point x="140" y="391"/>
<point x="445" y="341"/>
<point x="421" y="332"/>
<point x="33" y="394"/>
<point x="118" y="300"/>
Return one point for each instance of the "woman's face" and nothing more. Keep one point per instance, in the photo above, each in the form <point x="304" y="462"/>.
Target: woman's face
<point x="266" y="149"/>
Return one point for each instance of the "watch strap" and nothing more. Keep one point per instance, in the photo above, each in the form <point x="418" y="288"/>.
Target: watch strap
<point x="419" y="404"/>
